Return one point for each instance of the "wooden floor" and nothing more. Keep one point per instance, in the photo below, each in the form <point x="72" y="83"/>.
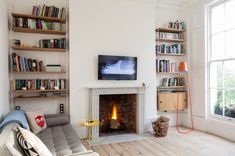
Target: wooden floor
<point x="194" y="144"/>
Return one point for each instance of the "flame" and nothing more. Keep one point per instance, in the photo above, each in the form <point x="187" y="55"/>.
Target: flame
<point x="114" y="112"/>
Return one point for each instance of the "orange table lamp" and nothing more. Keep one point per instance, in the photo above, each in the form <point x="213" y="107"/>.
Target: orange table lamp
<point x="183" y="66"/>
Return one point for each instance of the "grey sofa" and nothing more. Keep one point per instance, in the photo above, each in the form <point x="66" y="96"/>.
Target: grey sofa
<point x="60" y="138"/>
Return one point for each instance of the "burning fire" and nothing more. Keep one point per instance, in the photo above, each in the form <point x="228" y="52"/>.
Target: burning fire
<point x="114" y="112"/>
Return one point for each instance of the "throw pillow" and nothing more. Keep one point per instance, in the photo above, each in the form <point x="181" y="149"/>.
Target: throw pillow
<point x="31" y="144"/>
<point x="36" y="121"/>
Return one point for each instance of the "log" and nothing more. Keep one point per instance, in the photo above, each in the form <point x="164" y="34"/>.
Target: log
<point x="114" y="124"/>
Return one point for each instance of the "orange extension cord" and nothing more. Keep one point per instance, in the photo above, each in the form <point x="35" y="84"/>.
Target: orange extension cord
<point x="177" y="106"/>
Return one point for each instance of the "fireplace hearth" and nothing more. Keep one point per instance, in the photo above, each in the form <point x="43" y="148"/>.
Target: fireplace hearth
<point x="117" y="114"/>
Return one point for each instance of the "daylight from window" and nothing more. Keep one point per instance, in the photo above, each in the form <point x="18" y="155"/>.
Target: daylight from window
<point x="222" y="59"/>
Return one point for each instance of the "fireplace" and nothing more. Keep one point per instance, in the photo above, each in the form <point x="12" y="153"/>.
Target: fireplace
<point x="116" y="97"/>
<point x="117" y="114"/>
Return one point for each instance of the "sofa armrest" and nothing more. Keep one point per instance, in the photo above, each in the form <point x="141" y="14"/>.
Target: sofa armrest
<point x="57" y="119"/>
<point x="85" y="153"/>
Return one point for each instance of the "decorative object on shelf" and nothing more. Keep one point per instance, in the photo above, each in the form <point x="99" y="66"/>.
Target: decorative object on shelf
<point x="184" y="68"/>
<point x="53" y="68"/>
<point x="17" y="42"/>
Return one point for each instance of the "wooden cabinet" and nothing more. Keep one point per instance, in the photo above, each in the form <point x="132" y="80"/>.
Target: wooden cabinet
<point x="168" y="101"/>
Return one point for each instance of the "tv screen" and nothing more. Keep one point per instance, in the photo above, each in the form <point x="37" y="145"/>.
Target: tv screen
<point x="117" y="67"/>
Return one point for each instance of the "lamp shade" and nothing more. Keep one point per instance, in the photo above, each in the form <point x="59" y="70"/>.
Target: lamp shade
<point x="183" y="66"/>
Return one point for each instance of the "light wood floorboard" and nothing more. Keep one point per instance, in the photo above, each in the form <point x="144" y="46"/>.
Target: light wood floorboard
<point x="195" y="143"/>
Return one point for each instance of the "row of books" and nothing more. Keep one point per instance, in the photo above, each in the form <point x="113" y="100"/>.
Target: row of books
<point x="166" y="66"/>
<point x="35" y="24"/>
<point x="174" y="81"/>
<point x="38" y="84"/>
<point x="48" y="11"/>
<point x="22" y="64"/>
<point x="165" y="48"/>
<point x="165" y="35"/>
<point x="176" y="25"/>
<point x="53" y="43"/>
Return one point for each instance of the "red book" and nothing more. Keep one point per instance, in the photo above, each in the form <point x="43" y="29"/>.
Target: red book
<point x="52" y="43"/>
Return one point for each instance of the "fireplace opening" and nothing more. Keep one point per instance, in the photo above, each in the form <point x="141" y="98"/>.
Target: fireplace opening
<point x="117" y="114"/>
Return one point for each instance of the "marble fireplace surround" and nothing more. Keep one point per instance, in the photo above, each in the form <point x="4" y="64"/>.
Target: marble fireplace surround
<point x="95" y="93"/>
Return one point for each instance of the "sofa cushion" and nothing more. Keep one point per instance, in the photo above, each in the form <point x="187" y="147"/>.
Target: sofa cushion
<point x="36" y="121"/>
<point x="31" y="144"/>
<point x="8" y="142"/>
<point x="57" y="119"/>
<point x="61" y="140"/>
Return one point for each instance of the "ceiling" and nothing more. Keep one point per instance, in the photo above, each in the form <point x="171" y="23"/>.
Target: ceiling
<point x="176" y="3"/>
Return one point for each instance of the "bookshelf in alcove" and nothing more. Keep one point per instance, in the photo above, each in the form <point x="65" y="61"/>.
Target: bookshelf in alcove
<point x="57" y="87"/>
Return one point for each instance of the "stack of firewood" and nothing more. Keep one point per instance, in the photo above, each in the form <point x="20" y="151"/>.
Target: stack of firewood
<point x="160" y="126"/>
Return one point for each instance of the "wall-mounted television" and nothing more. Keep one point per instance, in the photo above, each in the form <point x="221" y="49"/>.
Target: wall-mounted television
<point x="117" y="67"/>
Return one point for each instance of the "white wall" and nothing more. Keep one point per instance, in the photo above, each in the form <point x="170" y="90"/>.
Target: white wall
<point x="115" y="27"/>
<point x="4" y="81"/>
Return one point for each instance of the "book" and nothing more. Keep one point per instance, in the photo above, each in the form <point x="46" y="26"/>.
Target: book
<point x="48" y="11"/>
<point x="36" y="84"/>
<point x="22" y="64"/>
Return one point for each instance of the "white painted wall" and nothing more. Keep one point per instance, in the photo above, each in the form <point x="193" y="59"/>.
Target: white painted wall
<point x="115" y="27"/>
<point x="4" y="81"/>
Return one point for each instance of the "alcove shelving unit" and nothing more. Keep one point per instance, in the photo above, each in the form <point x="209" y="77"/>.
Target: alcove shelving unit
<point x="167" y="94"/>
<point x="23" y="94"/>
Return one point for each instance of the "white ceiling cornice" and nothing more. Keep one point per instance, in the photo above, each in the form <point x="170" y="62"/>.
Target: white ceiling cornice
<point x="176" y="4"/>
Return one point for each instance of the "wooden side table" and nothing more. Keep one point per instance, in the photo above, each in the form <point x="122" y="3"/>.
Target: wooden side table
<point x="89" y="124"/>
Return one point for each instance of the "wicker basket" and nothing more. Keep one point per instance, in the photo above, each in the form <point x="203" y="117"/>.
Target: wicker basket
<point x="160" y="126"/>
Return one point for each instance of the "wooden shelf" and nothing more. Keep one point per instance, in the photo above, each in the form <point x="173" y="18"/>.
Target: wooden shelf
<point x="49" y="19"/>
<point x="170" y="40"/>
<point x="39" y="49"/>
<point x="169" y="30"/>
<point x="169" y="54"/>
<point x="38" y="31"/>
<point x="39" y="98"/>
<point x="34" y="91"/>
<point x="43" y="72"/>
<point x="171" y="87"/>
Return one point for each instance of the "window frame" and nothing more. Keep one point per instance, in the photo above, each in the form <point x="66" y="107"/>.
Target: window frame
<point x="209" y="61"/>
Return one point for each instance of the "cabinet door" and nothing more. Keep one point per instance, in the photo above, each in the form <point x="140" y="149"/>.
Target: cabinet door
<point x="168" y="101"/>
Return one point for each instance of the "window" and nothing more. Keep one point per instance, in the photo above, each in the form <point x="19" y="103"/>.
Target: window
<point x="221" y="59"/>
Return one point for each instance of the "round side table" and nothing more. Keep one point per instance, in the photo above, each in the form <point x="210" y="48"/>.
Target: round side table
<point x="89" y="124"/>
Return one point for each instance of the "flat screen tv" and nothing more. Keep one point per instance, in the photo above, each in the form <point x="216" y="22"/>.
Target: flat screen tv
<point x="117" y="67"/>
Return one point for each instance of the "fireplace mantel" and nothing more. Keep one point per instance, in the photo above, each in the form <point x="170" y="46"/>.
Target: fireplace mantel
<point x="95" y="93"/>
